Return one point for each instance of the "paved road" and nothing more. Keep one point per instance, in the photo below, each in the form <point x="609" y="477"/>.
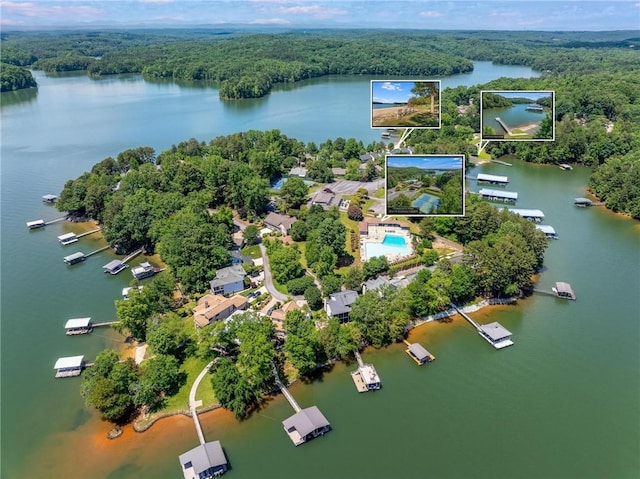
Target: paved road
<point x="268" y="280"/>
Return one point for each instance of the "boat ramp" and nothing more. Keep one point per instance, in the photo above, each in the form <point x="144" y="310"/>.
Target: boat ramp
<point x="494" y="333"/>
<point x="418" y="353"/>
<point x="365" y="377"/>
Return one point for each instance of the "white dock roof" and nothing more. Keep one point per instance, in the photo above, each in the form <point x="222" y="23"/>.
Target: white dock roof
<point x="546" y="229"/>
<point x="69" y="362"/>
<point x="493" y="178"/>
<point x="66" y="236"/>
<point x="512" y="195"/>
<point x="77" y="323"/>
<point x="35" y="223"/>
<point x="496" y="331"/>
<point x="527" y="213"/>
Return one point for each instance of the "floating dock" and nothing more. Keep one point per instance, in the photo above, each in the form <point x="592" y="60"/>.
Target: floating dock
<point x="498" y="195"/>
<point x="418" y="353"/>
<point x="494" y="333"/>
<point x="493" y="179"/>
<point x="365" y="377"/>
<point x="531" y="215"/>
<point x="565" y="166"/>
<point x="69" y="366"/>
<point x="548" y="231"/>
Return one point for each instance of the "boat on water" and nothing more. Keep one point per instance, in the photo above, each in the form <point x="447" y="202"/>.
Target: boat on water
<point x="144" y="270"/>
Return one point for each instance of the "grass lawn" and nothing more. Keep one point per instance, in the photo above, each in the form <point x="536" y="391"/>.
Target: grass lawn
<point x="252" y="251"/>
<point x="379" y="193"/>
<point x="351" y="225"/>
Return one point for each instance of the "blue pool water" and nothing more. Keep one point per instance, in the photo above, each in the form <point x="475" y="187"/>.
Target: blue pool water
<point x="391" y="245"/>
<point x="424" y="203"/>
<point x="277" y="185"/>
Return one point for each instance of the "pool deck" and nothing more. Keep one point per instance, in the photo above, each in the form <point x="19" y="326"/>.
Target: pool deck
<point x="378" y="235"/>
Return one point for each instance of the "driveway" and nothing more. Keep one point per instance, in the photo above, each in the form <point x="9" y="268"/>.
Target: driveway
<point x="268" y="280"/>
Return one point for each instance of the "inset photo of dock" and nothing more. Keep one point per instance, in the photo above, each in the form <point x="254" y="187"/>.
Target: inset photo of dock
<point x="405" y="103"/>
<point x="517" y="115"/>
<point x="425" y="185"/>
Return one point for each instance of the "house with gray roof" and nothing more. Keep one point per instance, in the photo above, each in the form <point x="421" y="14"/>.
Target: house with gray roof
<point x="338" y="305"/>
<point x="376" y="284"/>
<point x="228" y="280"/>
<point x="278" y="222"/>
<point x="298" y="171"/>
<point x="204" y="461"/>
<point x="323" y="198"/>
<point x="305" y="425"/>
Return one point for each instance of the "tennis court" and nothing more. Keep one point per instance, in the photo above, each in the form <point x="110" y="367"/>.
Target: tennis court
<point x="424" y="202"/>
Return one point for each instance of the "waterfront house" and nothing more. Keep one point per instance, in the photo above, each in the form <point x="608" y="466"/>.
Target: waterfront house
<point x="114" y="267"/>
<point x="305" y="425"/>
<point x="338" y="305"/>
<point x="228" y="280"/>
<point x="204" y="461"/>
<point x="279" y="223"/>
<point x="69" y="366"/>
<point x="369" y="156"/>
<point x="216" y="307"/>
<point x="378" y="283"/>
<point x="279" y="315"/>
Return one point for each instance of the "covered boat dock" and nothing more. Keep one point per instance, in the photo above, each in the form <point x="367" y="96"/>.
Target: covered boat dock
<point x="115" y="266"/>
<point x="496" y="334"/>
<point x="305" y="425"/>
<point x="78" y="326"/>
<point x="493" y="179"/>
<point x="548" y="231"/>
<point x="67" y="238"/>
<point x="532" y="215"/>
<point x="69" y="366"/>
<point x="74" y="258"/>
<point x="204" y="461"/>
<point x="498" y="195"/>
<point x="564" y="290"/>
<point x="419" y="354"/>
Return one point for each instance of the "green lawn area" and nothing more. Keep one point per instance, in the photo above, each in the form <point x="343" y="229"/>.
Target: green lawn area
<point x="280" y="287"/>
<point x="350" y="225"/>
<point x="252" y="251"/>
<point x="379" y="193"/>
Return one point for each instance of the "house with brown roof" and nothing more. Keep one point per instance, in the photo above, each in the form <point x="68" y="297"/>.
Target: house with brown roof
<point x="279" y="222"/>
<point x="279" y="315"/>
<point x="216" y="307"/>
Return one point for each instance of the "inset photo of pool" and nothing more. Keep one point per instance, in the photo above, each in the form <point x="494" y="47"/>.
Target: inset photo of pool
<point x="517" y="115"/>
<point x="425" y="185"/>
<point x="405" y="103"/>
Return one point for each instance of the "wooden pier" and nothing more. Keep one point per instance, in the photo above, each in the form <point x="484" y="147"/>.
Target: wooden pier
<point x="97" y="251"/>
<point x="55" y="220"/>
<point x="284" y="390"/>
<point x="132" y="255"/>
<point x="503" y="125"/>
<point x="87" y="233"/>
<point x="500" y="162"/>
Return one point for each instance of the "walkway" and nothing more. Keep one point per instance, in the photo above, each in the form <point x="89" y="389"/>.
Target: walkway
<point x="284" y="390"/>
<point x="193" y="404"/>
<point x="268" y="280"/>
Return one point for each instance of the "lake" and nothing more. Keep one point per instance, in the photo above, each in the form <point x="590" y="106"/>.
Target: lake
<point x="561" y="403"/>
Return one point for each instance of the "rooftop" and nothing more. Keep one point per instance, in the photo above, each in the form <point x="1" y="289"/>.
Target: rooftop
<point x="527" y="213"/>
<point x="113" y="265"/>
<point x="306" y="421"/>
<point x="418" y="351"/>
<point x="211" y="305"/>
<point x="203" y="457"/>
<point x="77" y="323"/>
<point x="277" y="219"/>
<point x="495" y="331"/>
<point x="69" y="362"/>
<point x="493" y="178"/>
<point x="562" y="287"/>
<point x="512" y="195"/>
<point x="228" y="275"/>
<point x="341" y="302"/>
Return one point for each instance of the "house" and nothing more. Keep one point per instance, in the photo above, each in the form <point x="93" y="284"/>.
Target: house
<point x="279" y="315"/>
<point x="279" y="222"/>
<point x="376" y="284"/>
<point x="238" y="240"/>
<point x="369" y="156"/>
<point x="338" y="171"/>
<point x="298" y="171"/>
<point x="228" y="280"/>
<point x="323" y="198"/>
<point x="339" y="304"/>
<point x="305" y="425"/>
<point x="239" y="258"/>
<point x="204" y="461"/>
<point x="216" y="307"/>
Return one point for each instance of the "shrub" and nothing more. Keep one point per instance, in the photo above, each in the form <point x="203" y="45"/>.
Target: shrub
<point x="355" y="213"/>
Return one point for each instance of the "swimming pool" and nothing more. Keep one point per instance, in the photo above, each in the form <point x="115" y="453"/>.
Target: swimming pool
<point x="277" y="185"/>
<point x="391" y="245"/>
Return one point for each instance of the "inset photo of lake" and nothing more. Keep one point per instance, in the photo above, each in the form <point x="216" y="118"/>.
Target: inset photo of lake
<point x="424" y="185"/>
<point x="414" y="104"/>
<point x="517" y="115"/>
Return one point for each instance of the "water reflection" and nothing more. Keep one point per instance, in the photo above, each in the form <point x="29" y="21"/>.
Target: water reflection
<point x="8" y="98"/>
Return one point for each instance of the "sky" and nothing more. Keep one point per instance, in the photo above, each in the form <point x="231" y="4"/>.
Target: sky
<point x="426" y="162"/>
<point x="392" y="92"/>
<point x="574" y="15"/>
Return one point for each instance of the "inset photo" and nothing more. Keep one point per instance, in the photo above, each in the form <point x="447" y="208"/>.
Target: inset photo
<point x="425" y="185"/>
<point x="405" y="103"/>
<point x="517" y="115"/>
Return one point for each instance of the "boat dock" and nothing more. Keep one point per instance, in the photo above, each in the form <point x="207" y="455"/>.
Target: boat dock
<point x="585" y="202"/>
<point x="132" y="255"/>
<point x="365" y="377"/>
<point x="532" y="215"/>
<point x="79" y="256"/>
<point x="418" y="353"/>
<point x="560" y="290"/>
<point x="498" y="195"/>
<point x="69" y="366"/>
<point x="548" y="231"/>
<point x="84" y="326"/>
<point x="494" y="333"/>
<point x="503" y="125"/>
<point x="42" y="223"/>
<point x="493" y="179"/>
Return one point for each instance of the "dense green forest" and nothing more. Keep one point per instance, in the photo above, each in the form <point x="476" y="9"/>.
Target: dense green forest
<point x="15" y="77"/>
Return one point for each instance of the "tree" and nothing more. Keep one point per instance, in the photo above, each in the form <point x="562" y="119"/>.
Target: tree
<point x="285" y="264"/>
<point x="355" y="213"/>
<point x="294" y="193"/>
<point x="299" y="285"/>
<point x="299" y="231"/>
<point x="251" y="235"/>
<point x="375" y="266"/>
<point x="426" y="89"/>
<point x="133" y="315"/>
<point x="353" y="278"/>
<point x="331" y="233"/>
<point x="232" y="389"/>
<point x="313" y="297"/>
<point x="302" y="345"/>
<point x="330" y="284"/>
